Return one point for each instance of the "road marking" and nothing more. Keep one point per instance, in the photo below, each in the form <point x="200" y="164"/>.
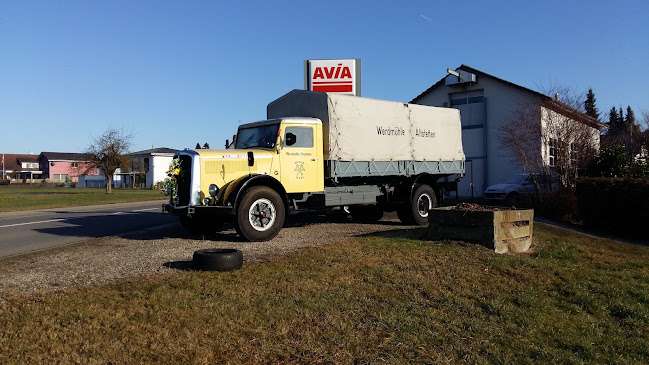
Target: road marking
<point x="70" y="218"/>
<point x="144" y="210"/>
<point x="24" y="224"/>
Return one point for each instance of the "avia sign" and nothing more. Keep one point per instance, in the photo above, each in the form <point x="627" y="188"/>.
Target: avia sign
<point x="333" y="76"/>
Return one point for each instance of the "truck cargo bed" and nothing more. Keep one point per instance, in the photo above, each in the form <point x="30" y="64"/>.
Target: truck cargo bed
<point x="369" y="137"/>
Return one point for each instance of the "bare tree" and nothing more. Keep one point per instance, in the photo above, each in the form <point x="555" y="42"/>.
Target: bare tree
<point x="109" y="153"/>
<point x="551" y="135"/>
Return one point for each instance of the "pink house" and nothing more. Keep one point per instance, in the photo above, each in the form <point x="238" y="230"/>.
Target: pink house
<point x="64" y="167"/>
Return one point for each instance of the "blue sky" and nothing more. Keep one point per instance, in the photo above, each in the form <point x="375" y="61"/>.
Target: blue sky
<point x="180" y="72"/>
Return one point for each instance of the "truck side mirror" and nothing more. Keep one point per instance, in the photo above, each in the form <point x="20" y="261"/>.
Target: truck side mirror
<point x="251" y="159"/>
<point x="290" y="139"/>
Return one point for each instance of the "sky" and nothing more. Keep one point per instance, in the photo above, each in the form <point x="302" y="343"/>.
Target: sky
<point x="174" y="73"/>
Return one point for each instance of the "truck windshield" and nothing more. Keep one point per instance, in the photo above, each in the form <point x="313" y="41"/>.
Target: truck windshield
<point x="257" y="136"/>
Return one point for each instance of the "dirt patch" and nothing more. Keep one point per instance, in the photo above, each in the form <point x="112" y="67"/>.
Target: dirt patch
<point x="108" y="259"/>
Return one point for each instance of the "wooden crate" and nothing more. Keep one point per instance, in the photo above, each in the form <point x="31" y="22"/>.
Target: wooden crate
<point x="501" y="230"/>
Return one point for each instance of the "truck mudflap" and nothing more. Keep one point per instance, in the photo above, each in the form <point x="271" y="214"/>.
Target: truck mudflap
<point x="186" y="210"/>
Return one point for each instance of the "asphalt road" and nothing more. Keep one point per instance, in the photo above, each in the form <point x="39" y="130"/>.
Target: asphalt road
<point x="22" y="232"/>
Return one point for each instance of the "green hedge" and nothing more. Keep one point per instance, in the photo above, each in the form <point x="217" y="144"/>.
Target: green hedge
<point x="616" y="205"/>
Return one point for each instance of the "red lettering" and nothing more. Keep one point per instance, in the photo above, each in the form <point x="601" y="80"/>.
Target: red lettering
<point x="346" y="73"/>
<point x="318" y="73"/>
<point x="338" y="70"/>
<point x="329" y="72"/>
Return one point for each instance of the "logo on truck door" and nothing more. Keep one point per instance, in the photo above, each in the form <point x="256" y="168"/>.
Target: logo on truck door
<point x="299" y="169"/>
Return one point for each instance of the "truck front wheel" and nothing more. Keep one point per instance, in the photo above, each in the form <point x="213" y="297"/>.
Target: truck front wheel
<point x="260" y="215"/>
<point x="415" y="212"/>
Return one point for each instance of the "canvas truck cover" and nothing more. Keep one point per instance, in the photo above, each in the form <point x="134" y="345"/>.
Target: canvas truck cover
<point x="363" y="129"/>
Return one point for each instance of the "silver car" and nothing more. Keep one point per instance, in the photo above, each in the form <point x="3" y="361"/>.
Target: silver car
<point x="519" y="188"/>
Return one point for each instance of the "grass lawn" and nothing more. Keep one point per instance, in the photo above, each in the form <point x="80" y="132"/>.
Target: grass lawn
<point x="24" y="197"/>
<point x="394" y="299"/>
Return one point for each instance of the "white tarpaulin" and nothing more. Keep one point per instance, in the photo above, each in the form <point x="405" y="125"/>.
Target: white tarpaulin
<point x="363" y="129"/>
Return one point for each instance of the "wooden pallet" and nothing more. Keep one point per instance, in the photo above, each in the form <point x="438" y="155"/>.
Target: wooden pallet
<point x="501" y="230"/>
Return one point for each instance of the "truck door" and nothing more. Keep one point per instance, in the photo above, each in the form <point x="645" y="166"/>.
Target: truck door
<point x="299" y="160"/>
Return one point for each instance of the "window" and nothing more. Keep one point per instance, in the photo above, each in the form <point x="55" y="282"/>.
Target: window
<point x="75" y="165"/>
<point x="574" y="156"/>
<point x="146" y="164"/>
<point x="303" y="137"/>
<point x="257" y="136"/>
<point x="554" y="152"/>
<point x="61" y="177"/>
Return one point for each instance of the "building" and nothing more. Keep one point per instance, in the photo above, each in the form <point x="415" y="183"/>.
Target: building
<point x="63" y="167"/>
<point x="488" y="106"/>
<point x="21" y="168"/>
<point x="149" y="167"/>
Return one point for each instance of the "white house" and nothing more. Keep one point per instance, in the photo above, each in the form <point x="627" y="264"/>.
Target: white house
<point x="488" y="105"/>
<point x="148" y="167"/>
<point x="152" y="164"/>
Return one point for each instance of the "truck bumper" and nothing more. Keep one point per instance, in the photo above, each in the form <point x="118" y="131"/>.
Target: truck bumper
<point x="188" y="210"/>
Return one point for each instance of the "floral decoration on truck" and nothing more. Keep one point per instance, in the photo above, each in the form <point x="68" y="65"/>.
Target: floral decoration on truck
<point x="170" y="183"/>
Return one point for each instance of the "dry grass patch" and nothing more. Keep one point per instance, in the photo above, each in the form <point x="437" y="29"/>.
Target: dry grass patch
<point x="390" y="298"/>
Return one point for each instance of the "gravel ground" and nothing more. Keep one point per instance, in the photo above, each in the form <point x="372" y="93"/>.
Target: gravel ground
<point x="162" y="250"/>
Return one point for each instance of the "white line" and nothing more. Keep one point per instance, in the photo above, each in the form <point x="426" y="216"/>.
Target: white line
<point x="24" y="224"/>
<point x="144" y="210"/>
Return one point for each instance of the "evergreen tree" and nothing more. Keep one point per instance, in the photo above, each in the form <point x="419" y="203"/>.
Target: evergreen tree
<point x="589" y="105"/>
<point x="198" y="146"/>
<point x="613" y="122"/>
<point x="620" y="119"/>
<point x="631" y="125"/>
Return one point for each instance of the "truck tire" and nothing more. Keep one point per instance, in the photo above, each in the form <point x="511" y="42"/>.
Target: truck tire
<point x="218" y="259"/>
<point x="366" y="213"/>
<point x="201" y="225"/>
<point x="415" y="212"/>
<point x="260" y="215"/>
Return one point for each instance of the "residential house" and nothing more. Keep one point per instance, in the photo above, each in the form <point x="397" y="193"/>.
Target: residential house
<point x="149" y="166"/>
<point x="21" y="167"/>
<point x="62" y="167"/>
<point x="488" y="106"/>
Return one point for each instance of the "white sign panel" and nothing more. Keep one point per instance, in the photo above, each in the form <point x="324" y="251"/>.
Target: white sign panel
<point x="333" y="76"/>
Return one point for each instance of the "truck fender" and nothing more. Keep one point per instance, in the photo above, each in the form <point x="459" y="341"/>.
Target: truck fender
<point x="429" y="180"/>
<point x="235" y="190"/>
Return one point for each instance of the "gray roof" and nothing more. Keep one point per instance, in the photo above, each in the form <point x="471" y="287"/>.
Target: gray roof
<point x="557" y="106"/>
<point x="156" y="151"/>
<point x="64" y="156"/>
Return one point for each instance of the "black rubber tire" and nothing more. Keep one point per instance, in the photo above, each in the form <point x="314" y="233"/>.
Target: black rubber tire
<point x="201" y="225"/>
<point x="269" y="211"/>
<point x="218" y="259"/>
<point x="414" y="212"/>
<point x="366" y="213"/>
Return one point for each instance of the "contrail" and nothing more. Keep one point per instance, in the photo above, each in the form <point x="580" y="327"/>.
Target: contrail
<point x="427" y="18"/>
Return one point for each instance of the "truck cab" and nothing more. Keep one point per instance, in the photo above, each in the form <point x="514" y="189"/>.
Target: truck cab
<point x="277" y="157"/>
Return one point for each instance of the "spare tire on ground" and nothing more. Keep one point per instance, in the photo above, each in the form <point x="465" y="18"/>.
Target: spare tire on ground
<point x="218" y="259"/>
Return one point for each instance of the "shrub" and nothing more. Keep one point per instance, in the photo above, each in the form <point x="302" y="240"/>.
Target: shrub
<point x="560" y="205"/>
<point x="617" y="205"/>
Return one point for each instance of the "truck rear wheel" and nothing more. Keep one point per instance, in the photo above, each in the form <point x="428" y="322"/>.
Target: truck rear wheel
<point x="415" y="212"/>
<point x="261" y="214"/>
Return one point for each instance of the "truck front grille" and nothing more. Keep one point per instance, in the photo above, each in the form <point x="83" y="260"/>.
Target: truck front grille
<point x="184" y="180"/>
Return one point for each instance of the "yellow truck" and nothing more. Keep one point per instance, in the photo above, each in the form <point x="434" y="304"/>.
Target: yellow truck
<point x="320" y="152"/>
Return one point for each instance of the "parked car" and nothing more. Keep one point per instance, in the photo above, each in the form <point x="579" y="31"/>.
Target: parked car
<point x="520" y="188"/>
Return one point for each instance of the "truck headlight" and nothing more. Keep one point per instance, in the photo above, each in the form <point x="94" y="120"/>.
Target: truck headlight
<point x="213" y="190"/>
